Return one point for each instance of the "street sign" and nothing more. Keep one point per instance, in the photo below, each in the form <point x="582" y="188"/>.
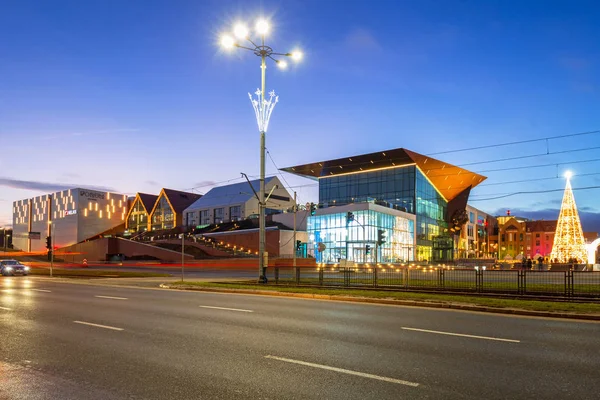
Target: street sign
<point x="34" y="235"/>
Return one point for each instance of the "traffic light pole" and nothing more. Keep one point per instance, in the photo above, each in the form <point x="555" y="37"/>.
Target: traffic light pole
<point x="51" y="249"/>
<point x="294" y="239"/>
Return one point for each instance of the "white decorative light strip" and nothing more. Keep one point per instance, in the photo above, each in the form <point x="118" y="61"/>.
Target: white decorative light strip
<point x="263" y="109"/>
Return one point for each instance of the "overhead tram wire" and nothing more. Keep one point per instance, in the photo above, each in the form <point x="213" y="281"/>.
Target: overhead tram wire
<point x="514" y="143"/>
<point x="535" y="192"/>
<point x="503" y="160"/>
<point x="474" y="163"/>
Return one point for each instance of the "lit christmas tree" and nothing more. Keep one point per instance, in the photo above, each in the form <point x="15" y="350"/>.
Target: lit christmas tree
<point x="568" y="240"/>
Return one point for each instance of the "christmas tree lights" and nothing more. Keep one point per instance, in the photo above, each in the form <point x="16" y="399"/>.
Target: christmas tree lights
<point x="569" y="243"/>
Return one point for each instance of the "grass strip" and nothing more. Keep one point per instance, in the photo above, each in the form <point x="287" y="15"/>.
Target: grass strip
<point x="95" y="273"/>
<point x="522" y="304"/>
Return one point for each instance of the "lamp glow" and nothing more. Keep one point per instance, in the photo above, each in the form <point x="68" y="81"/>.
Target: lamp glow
<point x="568" y="174"/>
<point x="297" y="55"/>
<point x="227" y="41"/>
<point x="262" y="27"/>
<point x="240" y="31"/>
<point x="282" y="64"/>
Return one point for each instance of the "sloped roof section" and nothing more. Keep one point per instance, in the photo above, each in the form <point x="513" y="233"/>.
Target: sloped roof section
<point x="180" y="200"/>
<point x="541" y="226"/>
<point x="448" y="179"/>
<point x="236" y="193"/>
<point x="147" y="200"/>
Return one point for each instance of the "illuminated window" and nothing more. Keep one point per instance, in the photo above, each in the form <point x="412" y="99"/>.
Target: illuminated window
<point x="100" y="213"/>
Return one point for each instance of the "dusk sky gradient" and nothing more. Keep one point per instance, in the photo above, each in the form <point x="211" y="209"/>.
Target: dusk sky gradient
<point x="137" y="95"/>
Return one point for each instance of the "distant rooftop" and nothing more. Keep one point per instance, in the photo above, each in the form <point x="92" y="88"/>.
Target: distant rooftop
<point x="236" y="193"/>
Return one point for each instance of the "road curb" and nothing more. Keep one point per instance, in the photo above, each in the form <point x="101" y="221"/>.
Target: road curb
<point x="411" y="303"/>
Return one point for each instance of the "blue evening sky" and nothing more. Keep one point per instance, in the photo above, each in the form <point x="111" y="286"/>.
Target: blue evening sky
<point x="136" y="95"/>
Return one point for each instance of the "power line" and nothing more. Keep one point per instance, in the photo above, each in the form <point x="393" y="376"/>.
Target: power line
<point x="534" y="192"/>
<point x="534" y="180"/>
<point x="517" y="142"/>
<point x="539" y="165"/>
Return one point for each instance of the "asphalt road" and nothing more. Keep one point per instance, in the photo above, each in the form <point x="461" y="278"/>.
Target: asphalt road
<point x="81" y="341"/>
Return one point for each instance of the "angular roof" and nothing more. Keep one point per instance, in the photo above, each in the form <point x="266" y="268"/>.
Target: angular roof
<point x="236" y="193"/>
<point x="541" y="226"/>
<point x="179" y="200"/>
<point x="147" y="200"/>
<point x="448" y="179"/>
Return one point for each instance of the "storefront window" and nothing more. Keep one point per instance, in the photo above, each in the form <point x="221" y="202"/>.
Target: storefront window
<point x="348" y="241"/>
<point x="163" y="217"/>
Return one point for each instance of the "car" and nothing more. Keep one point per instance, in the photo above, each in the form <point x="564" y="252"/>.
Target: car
<point x="12" y="267"/>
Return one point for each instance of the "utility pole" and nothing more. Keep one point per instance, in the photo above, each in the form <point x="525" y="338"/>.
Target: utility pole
<point x="182" y="254"/>
<point x="294" y="239"/>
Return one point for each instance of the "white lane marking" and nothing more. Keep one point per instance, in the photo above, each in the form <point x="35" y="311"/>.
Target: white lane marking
<point x="227" y="309"/>
<point x="98" y="325"/>
<point x="111" y="297"/>
<point x="345" y="371"/>
<point x="462" y="335"/>
<point x="6" y="308"/>
<point x="42" y="290"/>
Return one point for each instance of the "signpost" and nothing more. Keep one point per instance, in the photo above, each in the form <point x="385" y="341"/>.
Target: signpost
<point x="34" y="235"/>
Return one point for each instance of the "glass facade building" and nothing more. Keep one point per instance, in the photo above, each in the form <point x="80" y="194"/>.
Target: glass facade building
<point x="401" y="180"/>
<point x="138" y="217"/>
<point x="343" y="239"/>
<point x="403" y="188"/>
<point x="163" y="216"/>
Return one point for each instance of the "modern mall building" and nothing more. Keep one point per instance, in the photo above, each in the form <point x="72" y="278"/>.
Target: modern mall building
<point x="236" y="202"/>
<point x="413" y="198"/>
<point x="74" y="215"/>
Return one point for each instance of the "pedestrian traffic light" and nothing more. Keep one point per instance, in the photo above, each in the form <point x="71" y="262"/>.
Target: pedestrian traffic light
<point x="380" y="237"/>
<point x="313" y="208"/>
<point x="49" y="242"/>
<point x="367" y="249"/>
<point x="349" y="216"/>
<point x="298" y="244"/>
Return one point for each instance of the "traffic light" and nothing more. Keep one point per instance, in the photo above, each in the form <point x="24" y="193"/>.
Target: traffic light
<point x="298" y="244"/>
<point x="49" y="242"/>
<point x="367" y="249"/>
<point x="313" y="208"/>
<point x="380" y="237"/>
<point x="349" y="216"/>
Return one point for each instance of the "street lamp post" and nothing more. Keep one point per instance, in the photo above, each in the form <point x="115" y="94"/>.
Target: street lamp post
<point x="52" y="230"/>
<point x="262" y="108"/>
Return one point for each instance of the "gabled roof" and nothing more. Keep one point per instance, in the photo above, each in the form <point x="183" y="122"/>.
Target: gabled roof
<point x="179" y="200"/>
<point x="147" y="200"/>
<point x="236" y="193"/>
<point x="541" y="226"/>
<point x="448" y="179"/>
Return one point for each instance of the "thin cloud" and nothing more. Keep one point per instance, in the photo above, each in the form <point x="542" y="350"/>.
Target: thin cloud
<point x="90" y="133"/>
<point x="153" y="183"/>
<point x="362" y="40"/>
<point x="47" y="186"/>
<point x="204" y="184"/>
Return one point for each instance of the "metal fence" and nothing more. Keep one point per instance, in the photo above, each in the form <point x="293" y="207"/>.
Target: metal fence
<point x="518" y="282"/>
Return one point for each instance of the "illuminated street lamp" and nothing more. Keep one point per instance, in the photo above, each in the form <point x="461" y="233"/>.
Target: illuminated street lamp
<point x="262" y="107"/>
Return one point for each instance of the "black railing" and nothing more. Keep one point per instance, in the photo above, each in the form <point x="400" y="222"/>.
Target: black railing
<point x="516" y="282"/>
